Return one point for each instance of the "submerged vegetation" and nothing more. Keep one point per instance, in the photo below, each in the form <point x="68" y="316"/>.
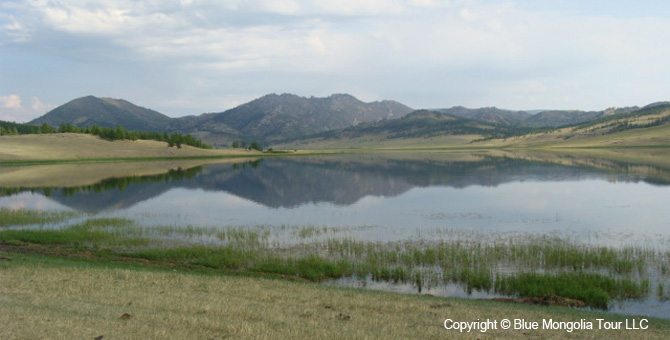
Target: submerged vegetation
<point x="521" y="266"/>
<point x="17" y="217"/>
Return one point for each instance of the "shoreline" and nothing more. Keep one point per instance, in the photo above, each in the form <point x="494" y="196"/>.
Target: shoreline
<point x="87" y="299"/>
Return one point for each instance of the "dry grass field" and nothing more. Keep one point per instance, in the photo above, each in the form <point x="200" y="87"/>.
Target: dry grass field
<point x="46" y="298"/>
<point x="576" y="138"/>
<point x="61" y="175"/>
<point x="69" y="146"/>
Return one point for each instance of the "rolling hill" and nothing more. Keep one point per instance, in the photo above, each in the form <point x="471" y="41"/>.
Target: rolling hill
<point x="540" y="118"/>
<point x="105" y="112"/>
<point x="648" y="126"/>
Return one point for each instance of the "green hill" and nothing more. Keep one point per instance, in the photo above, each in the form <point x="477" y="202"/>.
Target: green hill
<point x="105" y="112"/>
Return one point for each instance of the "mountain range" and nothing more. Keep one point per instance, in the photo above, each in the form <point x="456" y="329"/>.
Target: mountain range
<point x="267" y="119"/>
<point x="276" y="118"/>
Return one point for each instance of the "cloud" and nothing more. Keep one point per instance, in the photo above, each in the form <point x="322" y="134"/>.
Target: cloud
<point x="12" y="108"/>
<point x="426" y="53"/>
<point x="11" y="101"/>
<point x="39" y="107"/>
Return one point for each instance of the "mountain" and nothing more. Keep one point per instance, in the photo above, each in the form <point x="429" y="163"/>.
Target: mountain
<point x="207" y="129"/>
<point x="488" y="114"/>
<point x="105" y="112"/>
<point x="266" y="119"/>
<point x="279" y="117"/>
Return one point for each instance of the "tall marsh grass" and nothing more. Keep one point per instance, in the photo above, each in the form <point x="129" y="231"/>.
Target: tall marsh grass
<point x="521" y="265"/>
<point x="18" y="217"/>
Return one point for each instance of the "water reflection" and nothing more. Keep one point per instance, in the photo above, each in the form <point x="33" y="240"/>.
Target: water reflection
<point x="344" y="180"/>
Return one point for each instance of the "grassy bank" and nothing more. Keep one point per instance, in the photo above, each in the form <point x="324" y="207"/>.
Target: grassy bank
<point x="66" y="298"/>
<point x="58" y="175"/>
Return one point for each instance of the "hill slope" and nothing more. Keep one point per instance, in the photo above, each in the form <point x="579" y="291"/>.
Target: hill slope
<point x="541" y="119"/>
<point x="488" y="114"/>
<point x="420" y="124"/>
<point x="105" y="112"/>
<point x="556" y="118"/>
<point x="649" y="126"/>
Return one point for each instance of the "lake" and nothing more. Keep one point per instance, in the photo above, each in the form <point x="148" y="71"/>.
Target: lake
<point x="498" y="200"/>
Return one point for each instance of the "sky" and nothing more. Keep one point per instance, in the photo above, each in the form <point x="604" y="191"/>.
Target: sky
<point x="189" y="57"/>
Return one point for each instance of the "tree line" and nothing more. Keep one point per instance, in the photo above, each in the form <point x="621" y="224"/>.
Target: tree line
<point x="243" y="145"/>
<point x="120" y="133"/>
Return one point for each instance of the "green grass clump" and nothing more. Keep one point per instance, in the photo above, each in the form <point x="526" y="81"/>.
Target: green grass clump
<point x="395" y="274"/>
<point x="595" y="290"/>
<point x="211" y="257"/>
<point x="93" y="232"/>
<point x="51" y="237"/>
<point x="18" y="217"/>
<point x="311" y="267"/>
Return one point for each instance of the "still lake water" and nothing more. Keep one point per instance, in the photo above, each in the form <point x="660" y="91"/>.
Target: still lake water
<point x="399" y="197"/>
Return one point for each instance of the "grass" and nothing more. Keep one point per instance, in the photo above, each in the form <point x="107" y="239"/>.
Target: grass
<point x="80" y="299"/>
<point x="594" y="289"/>
<point x="15" y="217"/>
<point x="67" y="146"/>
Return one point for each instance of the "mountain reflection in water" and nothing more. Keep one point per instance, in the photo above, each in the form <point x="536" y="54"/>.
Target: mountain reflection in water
<point x="341" y="180"/>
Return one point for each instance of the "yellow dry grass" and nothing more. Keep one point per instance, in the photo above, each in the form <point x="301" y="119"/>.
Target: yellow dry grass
<point x="79" y="174"/>
<point x="571" y="138"/>
<point x="47" y="301"/>
<point x="69" y="146"/>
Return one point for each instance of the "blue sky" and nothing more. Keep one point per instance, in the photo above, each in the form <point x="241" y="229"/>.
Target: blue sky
<point x="190" y="57"/>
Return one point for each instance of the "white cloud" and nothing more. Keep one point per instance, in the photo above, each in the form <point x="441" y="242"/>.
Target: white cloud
<point x="12" y="108"/>
<point x="39" y="107"/>
<point x="11" y="101"/>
